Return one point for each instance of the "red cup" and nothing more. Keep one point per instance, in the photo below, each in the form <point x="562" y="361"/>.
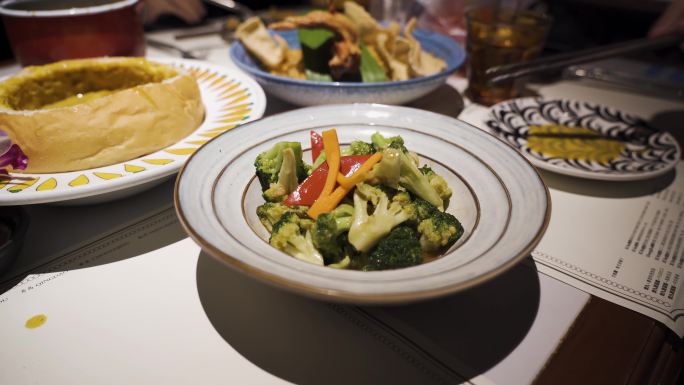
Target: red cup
<point x="45" y="31"/>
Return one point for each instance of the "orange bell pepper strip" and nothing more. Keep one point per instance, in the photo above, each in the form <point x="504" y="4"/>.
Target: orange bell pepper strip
<point x="310" y="189"/>
<point x="360" y="174"/>
<point x="331" y="146"/>
<point x="328" y="203"/>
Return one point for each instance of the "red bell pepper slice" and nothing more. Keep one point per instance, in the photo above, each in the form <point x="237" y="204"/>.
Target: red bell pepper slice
<point x="351" y="163"/>
<point x="316" y="145"/>
<point x="310" y="189"/>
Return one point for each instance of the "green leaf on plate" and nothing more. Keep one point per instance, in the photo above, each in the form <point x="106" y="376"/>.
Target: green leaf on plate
<point x="317" y="48"/>
<point x="317" y="76"/>
<point x="371" y="71"/>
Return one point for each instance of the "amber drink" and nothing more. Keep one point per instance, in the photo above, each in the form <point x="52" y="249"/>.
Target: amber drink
<point x="497" y="37"/>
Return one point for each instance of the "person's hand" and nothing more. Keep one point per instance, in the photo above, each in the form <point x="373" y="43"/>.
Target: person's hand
<point x="190" y="11"/>
<point x="672" y="20"/>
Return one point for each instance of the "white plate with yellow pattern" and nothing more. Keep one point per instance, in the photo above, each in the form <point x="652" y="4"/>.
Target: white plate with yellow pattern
<point x="230" y="98"/>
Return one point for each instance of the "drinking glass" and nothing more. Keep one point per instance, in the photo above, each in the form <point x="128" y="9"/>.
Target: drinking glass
<point x="497" y="36"/>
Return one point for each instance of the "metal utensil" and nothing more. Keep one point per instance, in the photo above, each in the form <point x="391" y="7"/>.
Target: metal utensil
<point x="163" y="45"/>
<point x="554" y="62"/>
<point x="199" y="31"/>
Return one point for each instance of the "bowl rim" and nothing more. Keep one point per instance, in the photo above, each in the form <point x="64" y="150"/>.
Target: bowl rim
<point x="73" y="11"/>
<point x="454" y="48"/>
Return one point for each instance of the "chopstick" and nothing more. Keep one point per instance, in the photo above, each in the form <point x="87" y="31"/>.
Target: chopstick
<point x="554" y="62"/>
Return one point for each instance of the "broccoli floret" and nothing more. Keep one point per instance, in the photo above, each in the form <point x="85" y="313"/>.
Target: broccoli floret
<point x="343" y="264"/>
<point x="287" y="178"/>
<point x="400" y="248"/>
<point x="367" y="230"/>
<point x="402" y="197"/>
<point x="417" y="209"/>
<point x="276" y="193"/>
<point x="386" y="172"/>
<point x="438" y="183"/>
<point x="291" y="234"/>
<point x="398" y="162"/>
<point x="269" y="162"/>
<point x="423" y="210"/>
<point x="414" y="181"/>
<point x="329" y="233"/>
<point x="439" y="231"/>
<point x="269" y="213"/>
<point x="381" y="142"/>
<point x="359" y="147"/>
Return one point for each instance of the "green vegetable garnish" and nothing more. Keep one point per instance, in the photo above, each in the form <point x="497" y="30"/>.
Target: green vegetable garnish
<point x="317" y="77"/>
<point x="317" y="49"/>
<point x="371" y="72"/>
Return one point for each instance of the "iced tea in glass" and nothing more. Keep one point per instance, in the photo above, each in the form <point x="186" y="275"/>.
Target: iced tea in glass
<point x="498" y="36"/>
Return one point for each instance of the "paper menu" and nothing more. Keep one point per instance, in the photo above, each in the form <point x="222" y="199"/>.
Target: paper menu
<point x="626" y="249"/>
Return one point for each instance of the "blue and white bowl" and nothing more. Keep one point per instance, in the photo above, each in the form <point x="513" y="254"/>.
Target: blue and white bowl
<point x="308" y="93"/>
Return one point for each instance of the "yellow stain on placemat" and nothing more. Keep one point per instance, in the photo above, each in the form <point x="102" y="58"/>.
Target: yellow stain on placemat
<point x="575" y="143"/>
<point x="36" y="321"/>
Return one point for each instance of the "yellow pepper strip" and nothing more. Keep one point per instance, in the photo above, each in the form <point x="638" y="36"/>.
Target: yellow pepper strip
<point x="360" y="174"/>
<point x="326" y="204"/>
<point x="331" y="146"/>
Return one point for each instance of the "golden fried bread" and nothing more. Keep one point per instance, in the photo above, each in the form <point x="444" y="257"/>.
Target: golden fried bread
<point x="86" y="113"/>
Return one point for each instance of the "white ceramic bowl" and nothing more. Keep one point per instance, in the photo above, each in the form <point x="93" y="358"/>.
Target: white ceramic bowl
<point x="498" y="196"/>
<point x="310" y="93"/>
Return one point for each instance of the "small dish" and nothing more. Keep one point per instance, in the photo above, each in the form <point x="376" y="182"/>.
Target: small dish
<point x="603" y="144"/>
<point x="14" y="223"/>
<point x="230" y="98"/>
<point x="498" y="197"/>
<point x="310" y="93"/>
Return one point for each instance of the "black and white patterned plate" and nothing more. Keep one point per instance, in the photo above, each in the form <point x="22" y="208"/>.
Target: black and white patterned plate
<point x="645" y="153"/>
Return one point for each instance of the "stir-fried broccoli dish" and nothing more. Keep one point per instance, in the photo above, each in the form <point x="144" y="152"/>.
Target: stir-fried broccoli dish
<point x="366" y="206"/>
